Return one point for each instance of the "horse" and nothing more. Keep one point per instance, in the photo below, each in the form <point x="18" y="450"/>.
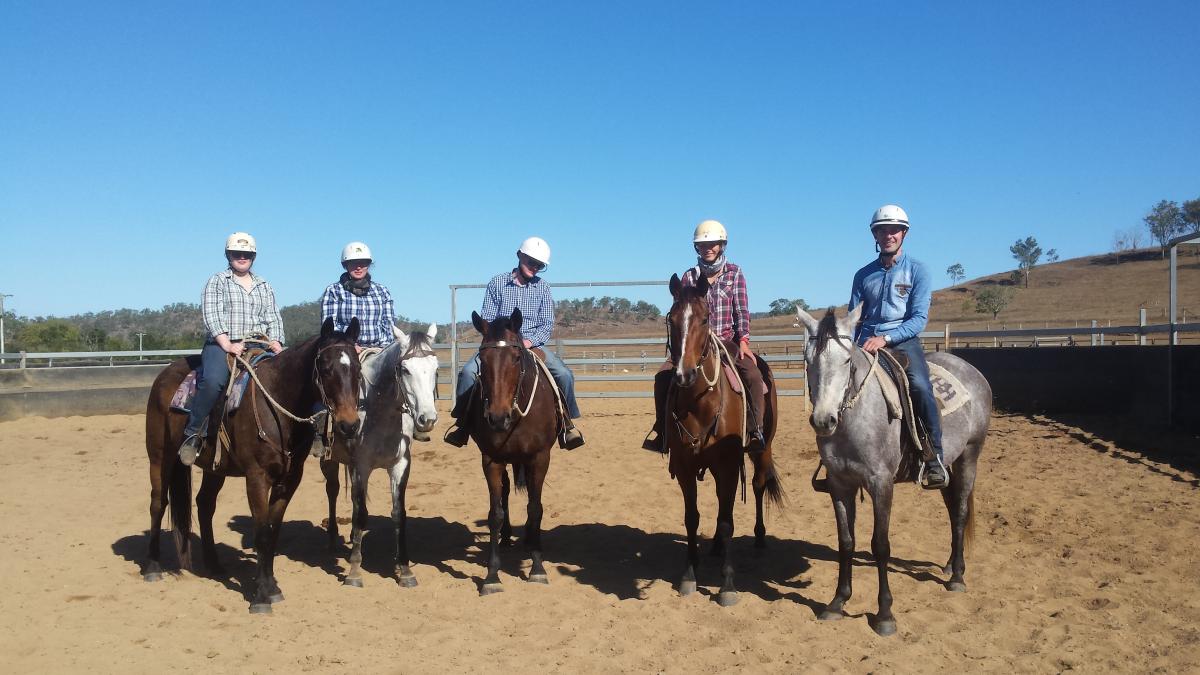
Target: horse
<point x="860" y="447"/>
<point x="514" y="420"/>
<point x="268" y="444"/>
<point x="704" y="424"/>
<point x="399" y="393"/>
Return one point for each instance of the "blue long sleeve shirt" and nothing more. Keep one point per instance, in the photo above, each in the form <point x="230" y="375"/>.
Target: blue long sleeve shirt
<point x="533" y="297"/>
<point x="895" y="301"/>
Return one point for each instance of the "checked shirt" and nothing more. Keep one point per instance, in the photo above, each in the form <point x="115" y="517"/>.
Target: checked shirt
<point x="728" y="303"/>
<point x="229" y="308"/>
<point x="537" y="305"/>
<point x="376" y="313"/>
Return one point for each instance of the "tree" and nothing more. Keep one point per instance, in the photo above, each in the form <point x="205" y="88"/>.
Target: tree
<point x="993" y="300"/>
<point x="1052" y="255"/>
<point x="1164" y="221"/>
<point x="956" y="273"/>
<point x="1027" y="253"/>
<point x="785" y="307"/>
<point x="1191" y="214"/>
<point x="1126" y="240"/>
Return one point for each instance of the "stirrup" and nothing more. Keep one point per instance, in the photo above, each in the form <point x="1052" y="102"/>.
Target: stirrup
<point x="571" y="438"/>
<point x="457" y="436"/>
<point x="189" y="450"/>
<point x="654" y="444"/>
<point x="757" y="443"/>
<point x="820" y="484"/>
<point x="928" y="482"/>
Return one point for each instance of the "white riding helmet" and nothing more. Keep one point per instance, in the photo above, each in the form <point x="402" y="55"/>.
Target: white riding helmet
<point x="356" y="250"/>
<point x="709" y="230"/>
<point x="536" y="248"/>
<point x="240" y="241"/>
<point x="889" y="214"/>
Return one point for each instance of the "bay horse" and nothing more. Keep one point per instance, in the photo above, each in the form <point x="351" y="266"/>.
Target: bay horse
<point x="514" y="420"/>
<point x="400" y="395"/>
<point x="268" y="443"/>
<point x="860" y="446"/>
<point x="704" y="422"/>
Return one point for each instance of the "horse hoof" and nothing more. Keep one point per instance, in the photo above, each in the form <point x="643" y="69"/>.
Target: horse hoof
<point x="885" y="627"/>
<point x="538" y="579"/>
<point x="275" y="598"/>
<point x="353" y="582"/>
<point x="686" y="588"/>
<point x="260" y="608"/>
<point x="830" y="615"/>
<point x="727" y="598"/>
<point x="152" y="576"/>
<point x="407" y="581"/>
<point x="956" y="587"/>
<point x="489" y="589"/>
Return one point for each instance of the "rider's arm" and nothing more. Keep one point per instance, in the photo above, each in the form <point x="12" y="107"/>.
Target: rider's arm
<point x="856" y="298"/>
<point x="212" y="306"/>
<point x="387" y="319"/>
<point x="274" y="320"/>
<point x="329" y="305"/>
<point x="919" y="299"/>
<point x="741" y="308"/>
<point x="491" y="300"/>
<point x="541" y="325"/>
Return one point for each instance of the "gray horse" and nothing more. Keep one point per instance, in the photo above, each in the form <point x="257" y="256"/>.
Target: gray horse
<point x="861" y="448"/>
<point x="400" y="390"/>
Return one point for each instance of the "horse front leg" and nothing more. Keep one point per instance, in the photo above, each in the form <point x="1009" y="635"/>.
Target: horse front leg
<point x="206" y="506"/>
<point x="959" y="498"/>
<point x="258" y="489"/>
<point x="691" y="521"/>
<point x="843" y="513"/>
<point x="881" y="548"/>
<point x="333" y="487"/>
<point x="505" y="490"/>
<point x="497" y="479"/>
<point x="281" y="496"/>
<point x="536" y="477"/>
<point x="726" y="480"/>
<point x="358" y="525"/>
<point x="399" y="474"/>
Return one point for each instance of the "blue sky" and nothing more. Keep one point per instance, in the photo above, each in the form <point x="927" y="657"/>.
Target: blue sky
<point x="136" y="135"/>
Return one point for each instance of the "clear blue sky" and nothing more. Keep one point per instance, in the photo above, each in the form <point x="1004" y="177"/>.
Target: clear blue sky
<point x="135" y="136"/>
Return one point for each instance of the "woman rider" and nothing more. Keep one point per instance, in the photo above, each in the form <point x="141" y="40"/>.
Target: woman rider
<point x="237" y="304"/>
<point x="356" y="295"/>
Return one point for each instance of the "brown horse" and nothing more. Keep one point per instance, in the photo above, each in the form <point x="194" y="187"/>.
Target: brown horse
<point x="514" y="420"/>
<point x="704" y="421"/>
<point x="268" y="446"/>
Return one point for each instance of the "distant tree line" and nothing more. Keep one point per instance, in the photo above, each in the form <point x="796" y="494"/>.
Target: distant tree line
<point x="1167" y="220"/>
<point x="606" y="309"/>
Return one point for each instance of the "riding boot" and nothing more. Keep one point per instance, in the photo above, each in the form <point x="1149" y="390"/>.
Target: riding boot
<point x="571" y="437"/>
<point x="936" y="477"/>
<point x="755" y="442"/>
<point x="458" y="434"/>
<point x="190" y="449"/>
<point x="657" y="437"/>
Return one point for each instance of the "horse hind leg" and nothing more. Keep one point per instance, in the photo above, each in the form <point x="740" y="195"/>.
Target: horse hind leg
<point x="960" y="505"/>
<point x="536" y="473"/>
<point x="881" y="548"/>
<point x="333" y="487"/>
<point x="159" y="500"/>
<point x="206" y="506"/>
<point x="766" y="483"/>
<point x="399" y="475"/>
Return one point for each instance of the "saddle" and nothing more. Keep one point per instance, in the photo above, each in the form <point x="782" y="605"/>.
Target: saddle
<point x="915" y="446"/>
<point x="226" y="405"/>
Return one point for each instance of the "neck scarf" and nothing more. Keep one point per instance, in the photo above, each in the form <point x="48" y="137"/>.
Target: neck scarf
<point x="359" y="287"/>
<point x="714" y="269"/>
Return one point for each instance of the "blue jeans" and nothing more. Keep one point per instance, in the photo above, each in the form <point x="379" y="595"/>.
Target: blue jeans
<point x="213" y="380"/>
<point x="562" y="377"/>
<point x="922" y="390"/>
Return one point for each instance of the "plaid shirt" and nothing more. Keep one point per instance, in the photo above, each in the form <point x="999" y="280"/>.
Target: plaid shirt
<point x="534" y="299"/>
<point x="728" y="303"/>
<point x="375" y="311"/>
<point x="228" y="308"/>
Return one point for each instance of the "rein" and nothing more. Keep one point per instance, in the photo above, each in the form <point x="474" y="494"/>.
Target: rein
<point x="525" y="356"/>
<point x="696" y="442"/>
<point x="852" y="392"/>
<point x="311" y="419"/>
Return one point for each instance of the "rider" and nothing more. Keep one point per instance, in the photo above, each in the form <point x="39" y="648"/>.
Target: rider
<point x="896" y="293"/>
<point x="521" y="288"/>
<point x="237" y="304"/>
<point x="356" y="295"/>
<point x="729" y="319"/>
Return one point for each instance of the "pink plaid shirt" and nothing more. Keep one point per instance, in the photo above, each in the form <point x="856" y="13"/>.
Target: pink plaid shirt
<point x="727" y="301"/>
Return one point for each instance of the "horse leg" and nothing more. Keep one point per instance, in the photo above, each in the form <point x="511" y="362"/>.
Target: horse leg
<point x="206" y="506"/>
<point x="505" y="489"/>
<point x="258" y="490"/>
<point x="159" y="498"/>
<point x="333" y="486"/>
<point x="763" y="472"/>
<point x="358" y="526"/>
<point x="399" y="474"/>
<point x="843" y="513"/>
<point x="960" y="505"/>
<point x="497" y="479"/>
<point x="281" y="496"/>
<point x="726" y="478"/>
<point x="881" y="548"/>
<point x="535" y="474"/>
<point x="691" y="520"/>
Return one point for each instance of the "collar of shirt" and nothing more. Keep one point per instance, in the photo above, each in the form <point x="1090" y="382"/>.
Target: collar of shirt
<point x="228" y="274"/>
<point x="514" y="278"/>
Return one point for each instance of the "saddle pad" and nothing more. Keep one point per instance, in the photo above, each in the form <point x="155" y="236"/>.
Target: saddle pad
<point x="734" y="381"/>
<point x="182" y="400"/>
<point x="235" y="394"/>
<point x="949" y="392"/>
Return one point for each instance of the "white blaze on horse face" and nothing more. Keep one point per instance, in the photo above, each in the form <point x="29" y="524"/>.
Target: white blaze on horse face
<point x="420" y="380"/>
<point x="344" y="359"/>
<point x="687" y="322"/>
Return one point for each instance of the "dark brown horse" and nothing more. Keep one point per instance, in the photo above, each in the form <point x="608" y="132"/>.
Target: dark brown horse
<point x="514" y="420"/>
<point x="704" y="425"/>
<point x="268" y="446"/>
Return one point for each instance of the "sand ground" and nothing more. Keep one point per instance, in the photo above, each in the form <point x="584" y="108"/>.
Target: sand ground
<point x="1085" y="559"/>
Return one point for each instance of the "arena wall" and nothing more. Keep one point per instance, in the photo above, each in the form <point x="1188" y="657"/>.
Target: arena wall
<point x="60" y="392"/>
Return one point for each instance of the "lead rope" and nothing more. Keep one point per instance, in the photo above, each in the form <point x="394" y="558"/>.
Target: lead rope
<point x="745" y="394"/>
<point x="532" y="393"/>
<point x="310" y="420"/>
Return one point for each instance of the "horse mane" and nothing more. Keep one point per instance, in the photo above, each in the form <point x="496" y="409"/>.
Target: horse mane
<point x="827" y="329"/>
<point x="419" y="339"/>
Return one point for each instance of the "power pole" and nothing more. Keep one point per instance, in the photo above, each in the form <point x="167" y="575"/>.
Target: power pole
<point x="2" y="297"/>
<point x="139" y="345"/>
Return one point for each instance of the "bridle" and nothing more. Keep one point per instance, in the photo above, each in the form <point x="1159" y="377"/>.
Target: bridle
<point x="853" y="391"/>
<point x="524" y="358"/>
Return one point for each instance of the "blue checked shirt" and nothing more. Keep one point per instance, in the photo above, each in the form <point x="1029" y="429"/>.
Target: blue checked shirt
<point x="228" y="308"/>
<point x="375" y="311"/>
<point x="534" y="299"/>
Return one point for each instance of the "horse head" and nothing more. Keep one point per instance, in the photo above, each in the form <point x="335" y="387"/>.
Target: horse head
<point x="417" y="369"/>
<point x="687" y="329"/>
<point x="828" y="361"/>
<point x="336" y="372"/>
<point x="502" y="366"/>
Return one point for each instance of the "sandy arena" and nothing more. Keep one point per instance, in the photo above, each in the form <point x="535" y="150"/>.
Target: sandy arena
<point x="1084" y="559"/>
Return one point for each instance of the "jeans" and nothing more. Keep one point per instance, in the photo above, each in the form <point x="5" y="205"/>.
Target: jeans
<point x="922" y="390"/>
<point x="213" y="379"/>
<point x="562" y="377"/>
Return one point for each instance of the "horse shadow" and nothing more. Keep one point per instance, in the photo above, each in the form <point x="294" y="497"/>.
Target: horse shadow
<point x="240" y="567"/>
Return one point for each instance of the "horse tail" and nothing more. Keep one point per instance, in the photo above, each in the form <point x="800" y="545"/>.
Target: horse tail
<point x="969" y="530"/>
<point x="520" y="477"/>
<point x="774" y="487"/>
<point x="179" y="496"/>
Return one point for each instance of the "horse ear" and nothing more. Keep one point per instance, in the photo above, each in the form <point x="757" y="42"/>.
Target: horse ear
<point x="401" y="337"/>
<point x="848" y="324"/>
<point x="516" y="320"/>
<point x="352" y="331"/>
<point x="397" y="333"/>
<point x="327" y="328"/>
<point x="702" y="284"/>
<point x="432" y="332"/>
<point x="675" y="285"/>
<point x="479" y="323"/>
<point x="806" y="319"/>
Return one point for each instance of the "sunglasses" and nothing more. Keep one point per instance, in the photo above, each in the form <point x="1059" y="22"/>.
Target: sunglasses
<point x="535" y="265"/>
<point x="239" y="255"/>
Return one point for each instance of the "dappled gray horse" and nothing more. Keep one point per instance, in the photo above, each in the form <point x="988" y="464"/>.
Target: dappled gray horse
<point x="860" y="446"/>
<point x="399" y="394"/>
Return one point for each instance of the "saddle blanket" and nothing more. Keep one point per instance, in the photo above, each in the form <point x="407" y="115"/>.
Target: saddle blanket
<point x="949" y="393"/>
<point x="182" y="400"/>
<point x="735" y="381"/>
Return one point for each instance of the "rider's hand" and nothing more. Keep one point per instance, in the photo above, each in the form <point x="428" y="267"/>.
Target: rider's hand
<point x="357" y="349"/>
<point x="744" y="350"/>
<point x="527" y="343"/>
<point x="275" y="346"/>
<point x="874" y="344"/>
<point x="235" y="348"/>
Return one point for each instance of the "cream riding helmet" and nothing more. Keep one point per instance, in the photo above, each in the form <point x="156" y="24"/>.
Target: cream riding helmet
<point x="889" y="214"/>
<point x="709" y="230"/>
<point x="356" y="250"/>
<point x="240" y="241"/>
<point x="537" y="249"/>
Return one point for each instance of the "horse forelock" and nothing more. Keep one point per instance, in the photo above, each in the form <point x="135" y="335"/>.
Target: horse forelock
<point x="419" y="343"/>
<point x="500" y="329"/>
<point x="827" y="329"/>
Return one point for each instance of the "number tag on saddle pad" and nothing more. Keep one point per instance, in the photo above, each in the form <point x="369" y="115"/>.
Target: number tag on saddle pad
<point x="949" y="392"/>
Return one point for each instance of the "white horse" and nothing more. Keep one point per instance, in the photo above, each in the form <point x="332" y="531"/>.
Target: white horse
<point x="861" y="448"/>
<point x="399" y="394"/>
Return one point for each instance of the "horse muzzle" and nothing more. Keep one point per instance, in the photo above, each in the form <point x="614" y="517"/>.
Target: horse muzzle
<point x="824" y="424"/>
<point x="348" y="430"/>
<point x="502" y="422"/>
<point x="424" y="424"/>
<point x="686" y="378"/>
